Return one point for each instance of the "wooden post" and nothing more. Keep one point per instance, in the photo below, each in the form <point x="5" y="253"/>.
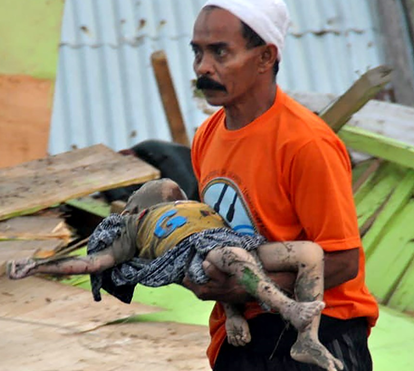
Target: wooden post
<point x="337" y="114"/>
<point x="169" y="98"/>
<point x="398" y="51"/>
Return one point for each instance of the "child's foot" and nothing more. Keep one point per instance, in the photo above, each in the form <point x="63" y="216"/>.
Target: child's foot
<point x="301" y="314"/>
<point x="310" y="351"/>
<point x="238" y="332"/>
<point x="17" y="269"/>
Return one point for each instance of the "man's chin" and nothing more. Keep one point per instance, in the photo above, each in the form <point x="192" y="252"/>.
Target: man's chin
<point x="215" y="98"/>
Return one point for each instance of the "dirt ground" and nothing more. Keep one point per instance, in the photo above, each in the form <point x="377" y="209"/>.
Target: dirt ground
<point x="25" y="114"/>
<point x="46" y="326"/>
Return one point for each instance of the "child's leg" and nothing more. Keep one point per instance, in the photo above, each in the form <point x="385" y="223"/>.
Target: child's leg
<point x="306" y="258"/>
<point x="63" y="266"/>
<point x="243" y="265"/>
<point x="237" y="328"/>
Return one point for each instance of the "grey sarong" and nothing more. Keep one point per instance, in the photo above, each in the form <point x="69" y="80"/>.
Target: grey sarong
<point x="185" y="258"/>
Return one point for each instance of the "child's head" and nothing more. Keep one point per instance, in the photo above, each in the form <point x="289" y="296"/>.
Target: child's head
<point x="152" y="193"/>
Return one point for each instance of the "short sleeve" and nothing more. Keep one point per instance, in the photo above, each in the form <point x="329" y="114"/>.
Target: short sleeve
<point x="321" y="190"/>
<point x="195" y="156"/>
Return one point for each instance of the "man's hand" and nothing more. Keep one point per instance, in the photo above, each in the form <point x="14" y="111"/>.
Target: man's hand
<point x="224" y="288"/>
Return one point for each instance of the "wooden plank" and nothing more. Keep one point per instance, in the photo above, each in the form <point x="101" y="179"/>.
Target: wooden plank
<point x="402" y="298"/>
<point x="391" y="257"/>
<point x="11" y="250"/>
<point x="365" y="188"/>
<point x="376" y="193"/>
<point x="364" y="171"/>
<point x="39" y="184"/>
<point x="35" y="228"/>
<point x="378" y="146"/>
<point x="169" y="98"/>
<point x="54" y="304"/>
<point x="401" y="195"/>
<point x="143" y="346"/>
<point x="365" y="88"/>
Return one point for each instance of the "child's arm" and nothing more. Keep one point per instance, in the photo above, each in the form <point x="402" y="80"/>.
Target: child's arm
<point x="94" y="263"/>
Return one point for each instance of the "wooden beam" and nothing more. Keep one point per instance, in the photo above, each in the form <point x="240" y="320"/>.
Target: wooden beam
<point x="398" y="49"/>
<point x="364" y="89"/>
<point x="169" y="98"/>
<point x="377" y="145"/>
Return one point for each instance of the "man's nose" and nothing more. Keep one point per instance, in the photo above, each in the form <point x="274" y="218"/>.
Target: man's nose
<point x="203" y="66"/>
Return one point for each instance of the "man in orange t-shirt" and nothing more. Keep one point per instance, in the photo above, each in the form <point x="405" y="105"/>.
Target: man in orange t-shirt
<point x="268" y="165"/>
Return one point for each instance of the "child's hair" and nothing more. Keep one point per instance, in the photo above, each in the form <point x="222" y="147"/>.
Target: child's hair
<point x="152" y="193"/>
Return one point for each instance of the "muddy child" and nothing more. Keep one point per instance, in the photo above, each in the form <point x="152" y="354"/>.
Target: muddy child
<point x="161" y="237"/>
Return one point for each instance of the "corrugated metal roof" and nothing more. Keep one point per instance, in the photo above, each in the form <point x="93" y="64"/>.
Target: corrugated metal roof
<point x="106" y="90"/>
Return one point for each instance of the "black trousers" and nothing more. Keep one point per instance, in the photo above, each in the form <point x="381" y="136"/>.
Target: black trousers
<point x="345" y="339"/>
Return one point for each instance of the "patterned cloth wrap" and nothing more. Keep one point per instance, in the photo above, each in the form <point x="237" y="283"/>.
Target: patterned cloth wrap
<point x="185" y="258"/>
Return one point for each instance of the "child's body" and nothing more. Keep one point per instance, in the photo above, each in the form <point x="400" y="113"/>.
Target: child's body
<point x="156" y="225"/>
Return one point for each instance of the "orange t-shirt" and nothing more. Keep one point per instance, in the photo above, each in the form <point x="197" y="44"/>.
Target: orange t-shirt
<point x="287" y="176"/>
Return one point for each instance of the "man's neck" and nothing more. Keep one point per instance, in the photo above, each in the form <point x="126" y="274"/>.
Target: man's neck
<point x="243" y="113"/>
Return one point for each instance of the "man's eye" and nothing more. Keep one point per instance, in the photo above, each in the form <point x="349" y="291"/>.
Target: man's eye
<point x="197" y="53"/>
<point x="221" y="52"/>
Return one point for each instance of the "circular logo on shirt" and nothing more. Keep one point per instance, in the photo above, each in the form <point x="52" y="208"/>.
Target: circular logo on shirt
<point x="225" y="198"/>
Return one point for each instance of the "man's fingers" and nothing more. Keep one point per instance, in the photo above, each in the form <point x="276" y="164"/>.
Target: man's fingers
<point x="213" y="273"/>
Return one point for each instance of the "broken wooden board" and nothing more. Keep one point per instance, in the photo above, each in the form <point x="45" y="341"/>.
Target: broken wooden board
<point x="378" y="145"/>
<point x="395" y="202"/>
<point x="65" y="307"/>
<point x="11" y="250"/>
<point x="35" y="228"/>
<point x="385" y="211"/>
<point x="402" y="297"/>
<point x="376" y="190"/>
<point x="338" y="113"/>
<point x="39" y="184"/>
<point x="388" y="262"/>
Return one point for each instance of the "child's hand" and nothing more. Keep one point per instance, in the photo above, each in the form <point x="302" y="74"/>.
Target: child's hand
<point x="17" y="269"/>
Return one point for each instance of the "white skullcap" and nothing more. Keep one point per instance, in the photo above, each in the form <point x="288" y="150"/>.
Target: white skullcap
<point x="268" y="18"/>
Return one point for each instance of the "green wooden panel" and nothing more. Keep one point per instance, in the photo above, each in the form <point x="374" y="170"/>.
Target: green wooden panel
<point x="401" y="195"/>
<point x="91" y="205"/>
<point x="389" y="260"/>
<point x="385" y="170"/>
<point x="376" y="192"/>
<point x="378" y="145"/>
<point x="403" y="297"/>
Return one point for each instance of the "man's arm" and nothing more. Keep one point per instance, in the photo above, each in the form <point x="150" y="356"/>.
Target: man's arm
<point x="340" y="267"/>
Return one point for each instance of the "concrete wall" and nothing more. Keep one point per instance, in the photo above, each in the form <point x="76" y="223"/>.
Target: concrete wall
<point x="29" y="34"/>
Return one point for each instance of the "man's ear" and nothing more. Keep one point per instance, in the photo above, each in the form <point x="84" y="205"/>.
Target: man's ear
<point x="268" y="58"/>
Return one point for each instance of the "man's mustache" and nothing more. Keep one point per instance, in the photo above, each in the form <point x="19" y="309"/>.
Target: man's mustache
<point x="205" y="83"/>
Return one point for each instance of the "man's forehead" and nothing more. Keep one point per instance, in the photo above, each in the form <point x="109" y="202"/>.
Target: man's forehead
<point x="216" y="25"/>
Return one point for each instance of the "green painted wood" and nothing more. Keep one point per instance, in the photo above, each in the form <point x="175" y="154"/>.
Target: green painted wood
<point x="359" y="170"/>
<point x="402" y="298"/>
<point x="376" y="192"/>
<point x="91" y="205"/>
<point x="390" y="258"/>
<point x="378" y="145"/>
<point x="384" y="170"/>
<point x="400" y="196"/>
